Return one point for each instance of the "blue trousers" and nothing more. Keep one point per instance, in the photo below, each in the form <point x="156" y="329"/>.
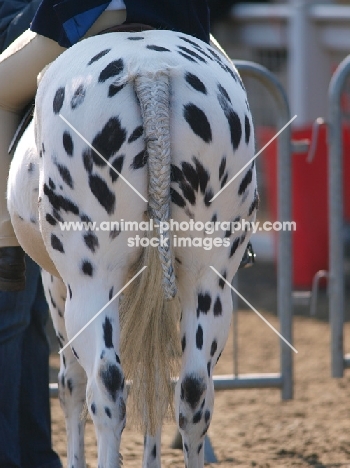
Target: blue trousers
<point x="25" y="424"/>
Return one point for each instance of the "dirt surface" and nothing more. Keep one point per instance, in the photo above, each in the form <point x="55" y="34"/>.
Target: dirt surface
<point x="255" y="427"/>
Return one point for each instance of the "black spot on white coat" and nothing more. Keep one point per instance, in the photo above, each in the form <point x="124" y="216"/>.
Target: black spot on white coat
<point x="56" y="243"/>
<point x="255" y="203"/>
<point x="208" y="368"/>
<point x="70" y="385"/>
<point x="135" y="38"/>
<point x="203" y="175"/>
<point x="222" y="167"/>
<point x="140" y="160"/>
<point x="204" y="303"/>
<point x="248" y="177"/>
<point x="247" y="129"/>
<point x="192" y="388"/>
<point x="108" y="141"/>
<point x="177" y="198"/>
<point x="190" y="174"/>
<point x="65" y="174"/>
<point x="103" y="194"/>
<point x="198" y="122"/>
<point x="118" y="166"/>
<point x="154" y="451"/>
<point x="50" y="219"/>
<point x="87" y="160"/>
<point x="183" y="343"/>
<point x="78" y="97"/>
<point x="59" y="202"/>
<point x="136" y="134"/>
<point x="111" y="70"/>
<point x="217" y="307"/>
<point x="195" y="83"/>
<point x="197" y="417"/>
<point x="87" y="268"/>
<point x="58" y="100"/>
<point x="214" y="347"/>
<point x="221" y="281"/>
<point x="112" y="379"/>
<point x="199" y="337"/>
<point x="191" y="53"/>
<point x="114" y="89"/>
<point x="157" y="48"/>
<point x="234" y="247"/>
<point x="208" y="196"/>
<point x="98" y="56"/>
<point x="91" y="241"/>
<point x="233" y="121"/>
<point x="108" y="333"/>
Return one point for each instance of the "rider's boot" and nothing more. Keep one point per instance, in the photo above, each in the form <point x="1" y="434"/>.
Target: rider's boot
<point x="12" y="269"/>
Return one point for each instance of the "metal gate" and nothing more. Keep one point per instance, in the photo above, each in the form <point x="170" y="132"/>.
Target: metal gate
<point x="336" y="239"/>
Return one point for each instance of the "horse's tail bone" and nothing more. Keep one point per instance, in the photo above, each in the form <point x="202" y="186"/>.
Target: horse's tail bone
<point x="149" y="310"/>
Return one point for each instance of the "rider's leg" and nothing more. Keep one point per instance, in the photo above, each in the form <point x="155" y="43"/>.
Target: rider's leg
<point x="20" y="64"/>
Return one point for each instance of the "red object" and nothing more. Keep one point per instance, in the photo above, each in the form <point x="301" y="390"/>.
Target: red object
<point x="309" y="199"/>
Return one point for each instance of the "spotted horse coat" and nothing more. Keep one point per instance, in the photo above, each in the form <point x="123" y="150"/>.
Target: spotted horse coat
<point x="170" y="114"/>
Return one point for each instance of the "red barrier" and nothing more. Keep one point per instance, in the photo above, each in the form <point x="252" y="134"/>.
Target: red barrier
<point x="309" y="199"/>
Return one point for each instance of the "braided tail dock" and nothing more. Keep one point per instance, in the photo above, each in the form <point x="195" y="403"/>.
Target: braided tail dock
<point x="153" y="94"/>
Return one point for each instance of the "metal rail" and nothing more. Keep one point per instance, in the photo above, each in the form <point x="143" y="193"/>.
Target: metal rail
<point x="335" y="200"/>
<point x="284" y="266"/>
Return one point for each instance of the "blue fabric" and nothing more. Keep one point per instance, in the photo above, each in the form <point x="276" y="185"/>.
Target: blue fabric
<point x="56" y="19"/>
<point x="53" y="16"/>
<point x="25" y="425"/>
<point x="76" y="27"/>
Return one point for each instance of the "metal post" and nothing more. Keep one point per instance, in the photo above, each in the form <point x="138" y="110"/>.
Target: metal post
<point x="284" y="267"/>
<point x="235" y="325"/>
<point x="305" y="55"/>
<point x="335" y="194"/>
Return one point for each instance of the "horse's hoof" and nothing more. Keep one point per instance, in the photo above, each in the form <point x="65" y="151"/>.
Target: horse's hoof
<point x="12" y="269"/>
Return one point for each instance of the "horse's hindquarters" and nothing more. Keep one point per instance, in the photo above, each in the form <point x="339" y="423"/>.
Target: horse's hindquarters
<point x="95" y="174"/>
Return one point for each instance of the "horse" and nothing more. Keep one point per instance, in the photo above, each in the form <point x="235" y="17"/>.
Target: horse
<point x="114" y="191"/>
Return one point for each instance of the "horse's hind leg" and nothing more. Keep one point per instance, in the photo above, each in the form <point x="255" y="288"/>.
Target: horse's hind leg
<point x="71" y="377"/>
<point x="205" y="323"/>
<point x="97" y="346"/>
<point x="151" y="453"/>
